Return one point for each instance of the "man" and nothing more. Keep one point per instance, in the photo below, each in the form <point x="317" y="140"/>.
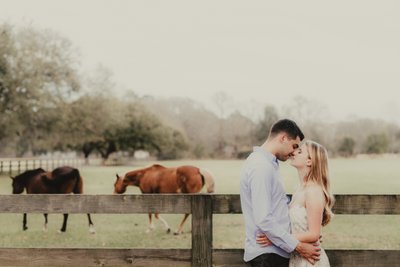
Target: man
<point x="264" y="202"/>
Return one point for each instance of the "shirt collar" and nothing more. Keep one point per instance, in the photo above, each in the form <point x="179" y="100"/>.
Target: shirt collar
<point x="268" y="155"/>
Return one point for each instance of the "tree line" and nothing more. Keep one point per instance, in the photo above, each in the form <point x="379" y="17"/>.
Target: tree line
<point x="47" y="104"/>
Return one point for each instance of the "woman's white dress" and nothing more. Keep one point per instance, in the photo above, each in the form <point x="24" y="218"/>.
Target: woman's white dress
<point x="298" y="219"/>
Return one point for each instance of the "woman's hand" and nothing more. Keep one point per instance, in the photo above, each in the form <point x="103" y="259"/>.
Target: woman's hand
<point x="263" y="240"/>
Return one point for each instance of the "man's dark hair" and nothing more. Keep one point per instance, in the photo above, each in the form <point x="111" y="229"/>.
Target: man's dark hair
<point x="287" y="126"/>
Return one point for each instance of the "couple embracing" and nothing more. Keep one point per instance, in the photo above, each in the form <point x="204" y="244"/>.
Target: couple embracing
<point x="279" y="233"/>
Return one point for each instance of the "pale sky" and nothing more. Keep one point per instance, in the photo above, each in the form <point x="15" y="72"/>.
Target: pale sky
<point x="342" y="54"/>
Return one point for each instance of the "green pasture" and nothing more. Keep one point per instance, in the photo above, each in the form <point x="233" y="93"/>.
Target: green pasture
<point x="358" y="176"/>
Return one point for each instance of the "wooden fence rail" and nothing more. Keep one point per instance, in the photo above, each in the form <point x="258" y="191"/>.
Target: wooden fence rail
<point x="202" y="207"/>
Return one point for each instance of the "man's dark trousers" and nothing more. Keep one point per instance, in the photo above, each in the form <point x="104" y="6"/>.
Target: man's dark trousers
<point x="269" y="260"/>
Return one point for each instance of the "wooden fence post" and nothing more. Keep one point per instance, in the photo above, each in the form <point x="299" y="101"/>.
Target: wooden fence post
<point x="202" y="210"/>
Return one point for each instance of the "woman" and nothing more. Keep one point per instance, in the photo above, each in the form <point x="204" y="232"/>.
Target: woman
<point x="311" y="204"/>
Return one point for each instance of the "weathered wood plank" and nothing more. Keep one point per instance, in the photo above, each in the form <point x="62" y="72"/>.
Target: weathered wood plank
<point x="223" y="204"/>
<point x="172" y="203"/>
<point x="229" y="257"/>
<point x="367" y="258"/>
<point x="202" y="205"/>
<point x="96" y="203"/>
<point x="202" y="231"/>
<point x="337" y="258"/>
<point x="345" y="204"/>
<point x="367" y="204"/>
<point x="91" y="257"/>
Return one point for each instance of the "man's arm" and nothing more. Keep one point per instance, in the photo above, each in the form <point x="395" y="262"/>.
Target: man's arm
<point x="309" y="251"/>
<point x="309" y="245"/>
<point x="261" y="183"/>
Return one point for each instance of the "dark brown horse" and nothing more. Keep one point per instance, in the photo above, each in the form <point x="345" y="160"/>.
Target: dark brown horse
<point x="62" y="180"/>
<point x="159" y="179"/>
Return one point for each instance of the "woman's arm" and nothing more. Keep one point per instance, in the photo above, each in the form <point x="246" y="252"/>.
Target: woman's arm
<point x="314" y="201"/>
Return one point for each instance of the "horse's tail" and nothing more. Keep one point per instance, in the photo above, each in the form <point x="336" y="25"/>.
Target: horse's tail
<point x="208" y="179"/>
<point x="78" y="188"/>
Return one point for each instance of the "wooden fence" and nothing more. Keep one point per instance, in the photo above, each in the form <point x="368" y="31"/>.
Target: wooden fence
<point x="18" y="165"/>
<point x="202" y="207"/>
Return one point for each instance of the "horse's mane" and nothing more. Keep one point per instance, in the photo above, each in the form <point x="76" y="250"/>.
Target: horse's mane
<point x="29" y="174"/>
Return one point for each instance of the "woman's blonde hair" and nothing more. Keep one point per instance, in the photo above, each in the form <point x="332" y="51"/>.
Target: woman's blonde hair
<point x="319" y="174"/>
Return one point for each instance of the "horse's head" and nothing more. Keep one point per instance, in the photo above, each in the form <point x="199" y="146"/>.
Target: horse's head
<point x="131" y="178"/>
<point x="17" y="185"/>
<point x="120" y="185"/>
<point x="21" y="181"/>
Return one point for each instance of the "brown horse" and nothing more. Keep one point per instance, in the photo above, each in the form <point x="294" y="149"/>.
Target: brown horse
<point x="62" y="180"/>
<point x="159" y="179"/>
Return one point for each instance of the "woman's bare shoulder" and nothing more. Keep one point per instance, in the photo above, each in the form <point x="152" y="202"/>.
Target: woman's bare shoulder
<point x="313" y="189"/>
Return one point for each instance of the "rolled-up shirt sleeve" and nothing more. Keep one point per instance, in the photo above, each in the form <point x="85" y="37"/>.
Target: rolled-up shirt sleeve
<point x="261" y="197"/>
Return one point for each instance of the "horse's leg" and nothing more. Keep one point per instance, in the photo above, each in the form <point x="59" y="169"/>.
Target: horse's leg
<point x="24" y="227"/>
<point x="164" y="222"/>
<point x="151" y="225"/>
<point x="45" y="222"/>
<point x="179" y="231"/>
<point x="78" y="189"/>
<point x="64" y="225"/>
<point x="91" y="226"/>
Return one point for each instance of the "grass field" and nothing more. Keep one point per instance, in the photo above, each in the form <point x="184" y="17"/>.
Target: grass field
<point x="376" y="176"/>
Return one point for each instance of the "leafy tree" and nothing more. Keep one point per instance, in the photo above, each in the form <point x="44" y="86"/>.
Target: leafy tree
<point x="376" y="144"/>
<point x="108" y="145"/>
<point x="198" y="125"/>
<point x="140" y="132"/>
<point x="239" y="134"/>
<point x="396" y="145"/>
<point x="94" y="123"/>
<point x="346" y="146"/>
<point x="198" y="151"/>
<point x="92" y="120"/>
<point x="38" y="72"/>
<point x="145" y="131"/>
<point x="173" y="145"/>
<point x="6" y="48"/>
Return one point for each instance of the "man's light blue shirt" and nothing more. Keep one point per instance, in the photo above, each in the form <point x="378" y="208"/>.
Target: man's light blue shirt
<point x="265" y="206"/>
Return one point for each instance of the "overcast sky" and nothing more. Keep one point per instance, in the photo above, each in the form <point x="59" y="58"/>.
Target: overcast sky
<point x="342" y="54"/>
